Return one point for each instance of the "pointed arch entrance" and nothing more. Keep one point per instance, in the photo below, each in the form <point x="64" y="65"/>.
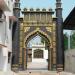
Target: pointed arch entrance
<point x="38" y="48"/>
<point x="37" y="23"/>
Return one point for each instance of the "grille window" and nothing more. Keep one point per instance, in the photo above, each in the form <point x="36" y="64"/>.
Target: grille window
<point x="38" y="53"/>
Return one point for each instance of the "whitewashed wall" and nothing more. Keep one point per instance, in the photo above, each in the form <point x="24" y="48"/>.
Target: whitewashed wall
<point x="6" y="38"/>
<point x="70" y="60"/>
<point x="2" y="33"/>
<point x="9" y="31"/>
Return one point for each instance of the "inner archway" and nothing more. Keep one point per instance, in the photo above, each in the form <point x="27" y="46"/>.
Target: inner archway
<point x="38" y="48"/>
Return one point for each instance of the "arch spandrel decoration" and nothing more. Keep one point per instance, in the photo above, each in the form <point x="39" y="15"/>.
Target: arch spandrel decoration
<point x="36" y="31"/>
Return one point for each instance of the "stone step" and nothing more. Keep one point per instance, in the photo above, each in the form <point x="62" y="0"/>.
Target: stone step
<point x="31" y="72"/>
<point x="37" y="73"/>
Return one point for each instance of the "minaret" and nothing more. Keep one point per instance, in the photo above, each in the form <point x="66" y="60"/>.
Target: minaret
<point x="17" y="8"/>
<point x="60" y="51"/>
<point x="15" y="31"/>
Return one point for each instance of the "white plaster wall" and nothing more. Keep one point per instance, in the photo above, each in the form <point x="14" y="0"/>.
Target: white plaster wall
<point x="8" y="73"/>
<point x="4" y="59"/>
<point x="70" y="60"/>
<point x="9" y="31"/>
<point x="2" y="33"/>
<point x="6" y="39"/>
<point x="1" y="57"/>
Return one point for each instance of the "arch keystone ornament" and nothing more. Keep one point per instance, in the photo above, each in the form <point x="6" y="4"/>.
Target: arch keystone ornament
<point x="26" y="29"/>
<point x="37" y="28"/>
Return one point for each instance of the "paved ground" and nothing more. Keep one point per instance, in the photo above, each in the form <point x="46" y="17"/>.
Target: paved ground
<point x="35" y="72"/>
<point x="36" y="69"/>
<point x="8" y="73"/>
<point x="37" y="66"/>
<point x="42" y="72"/>
<point x="40" y="68"/>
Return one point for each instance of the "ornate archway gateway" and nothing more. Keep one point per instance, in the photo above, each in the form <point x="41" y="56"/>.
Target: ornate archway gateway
<point x="48" y="41"/>
<point x="33" y="23"/>
<point x="40" y="20"/>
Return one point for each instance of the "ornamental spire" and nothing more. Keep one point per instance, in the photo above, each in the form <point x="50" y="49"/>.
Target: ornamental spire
<point x="17" y="8"/>
<point x="58" y="9"/>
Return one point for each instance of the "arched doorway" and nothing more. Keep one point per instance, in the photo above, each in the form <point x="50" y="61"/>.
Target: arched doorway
<point x="38" y="51"/>
<point x="30" y="27"/>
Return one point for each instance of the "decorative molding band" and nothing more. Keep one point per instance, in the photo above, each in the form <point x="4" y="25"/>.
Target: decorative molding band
<point x="35" y="31"/>
<point x="1" y="45"/>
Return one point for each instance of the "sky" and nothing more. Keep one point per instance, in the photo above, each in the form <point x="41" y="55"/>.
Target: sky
<point x="66" y="4"/>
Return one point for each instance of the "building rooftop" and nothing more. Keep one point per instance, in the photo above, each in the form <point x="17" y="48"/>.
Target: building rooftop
<point x="69" y="23"/>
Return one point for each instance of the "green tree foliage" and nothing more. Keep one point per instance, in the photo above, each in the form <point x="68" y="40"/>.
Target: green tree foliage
<point x="65" y="42"/>
<point x="73" y="41"/>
